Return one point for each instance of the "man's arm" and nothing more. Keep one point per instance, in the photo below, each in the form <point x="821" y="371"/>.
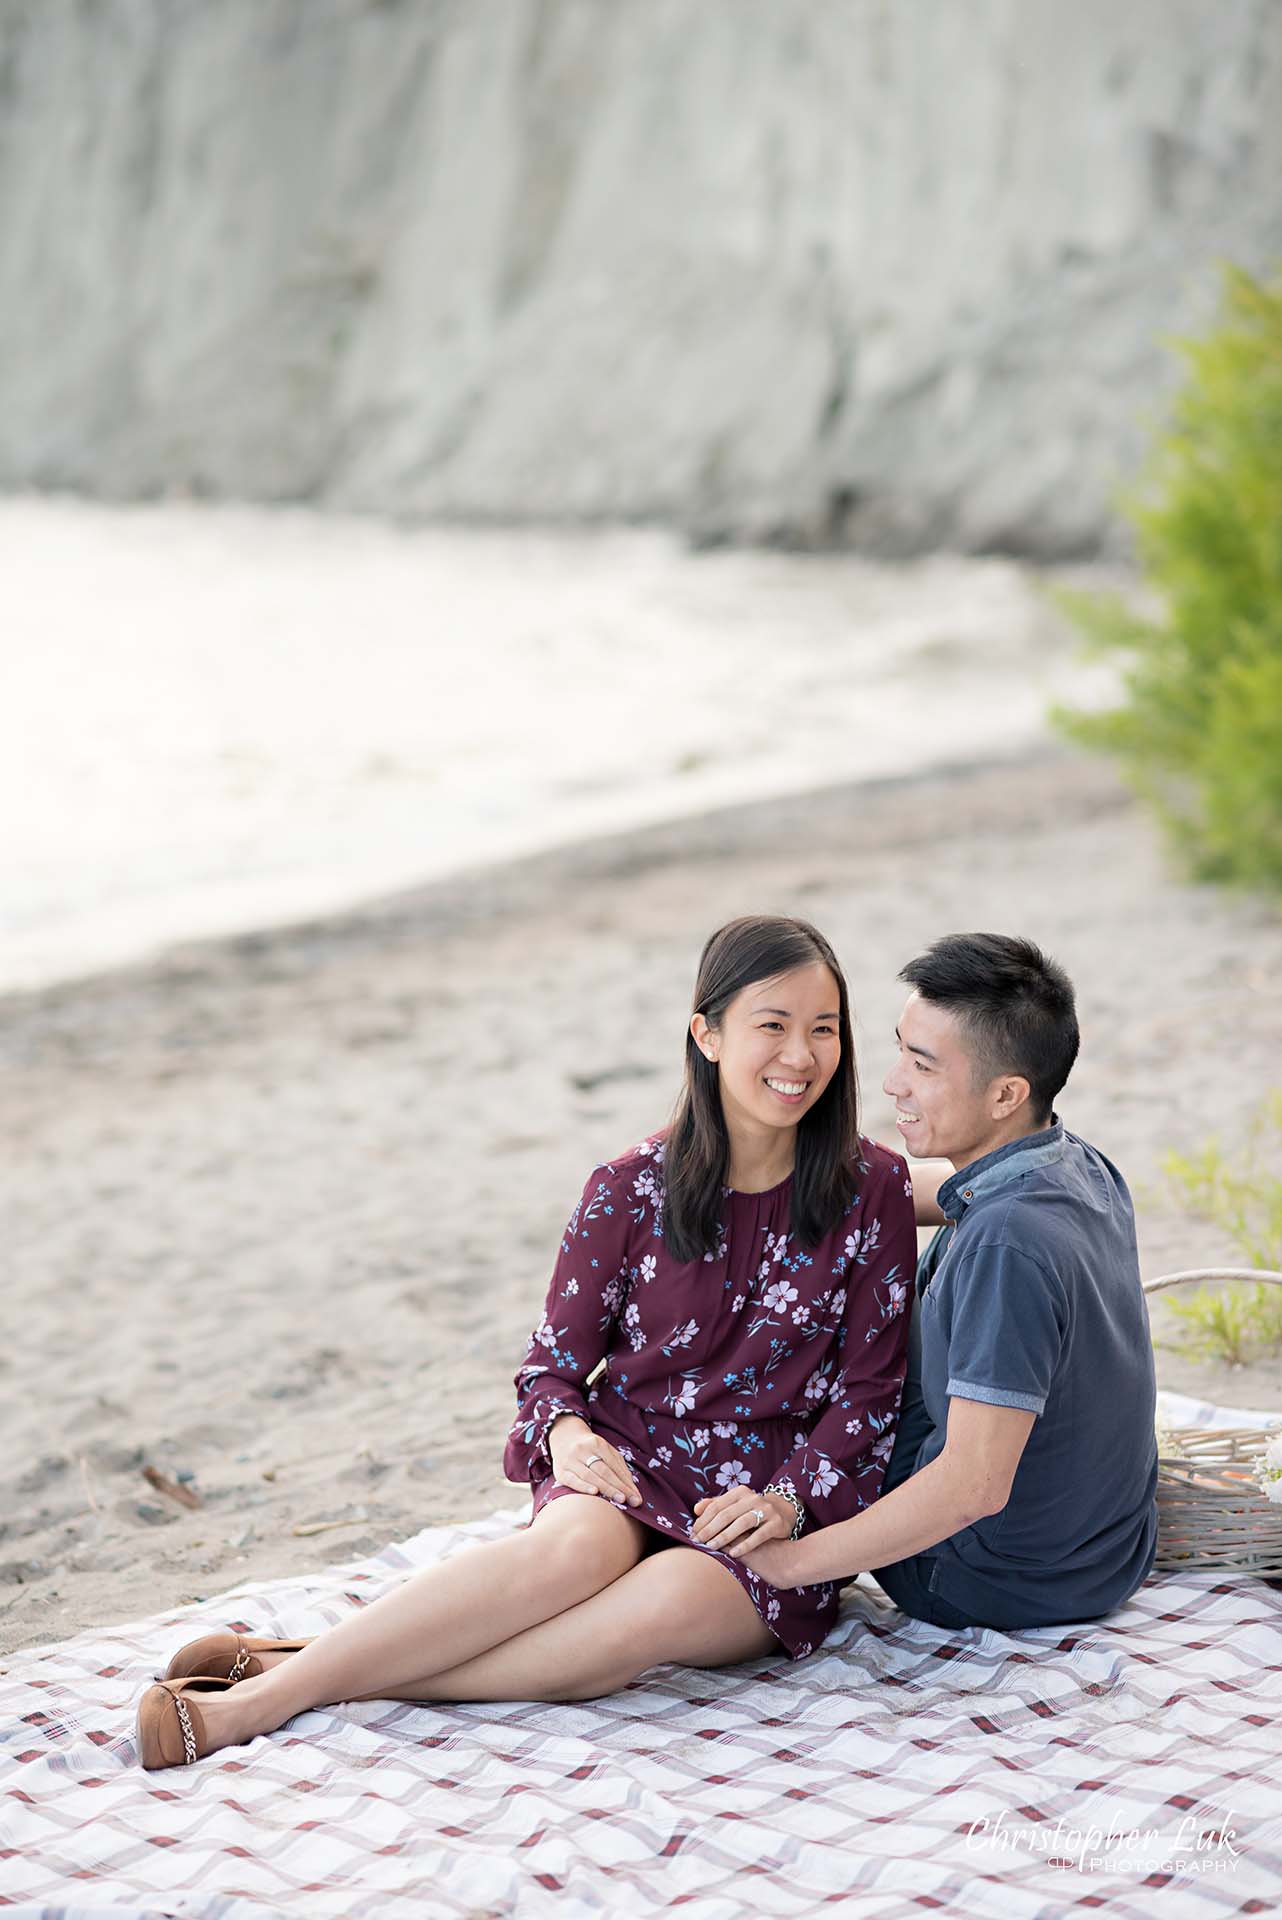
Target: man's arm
<point x="971" y="1479"/>
<point x="928" y="1176"/>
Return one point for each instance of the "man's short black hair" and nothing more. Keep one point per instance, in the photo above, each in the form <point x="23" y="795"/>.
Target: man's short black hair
<point x="1015" y="1004"/>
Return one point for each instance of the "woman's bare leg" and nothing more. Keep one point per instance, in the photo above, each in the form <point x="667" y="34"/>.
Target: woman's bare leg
<point x="442" y="1617"/>
<point x="680" y="1606"/>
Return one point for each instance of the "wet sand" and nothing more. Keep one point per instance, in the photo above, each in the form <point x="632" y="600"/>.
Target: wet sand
<point x="279" y="1210"/>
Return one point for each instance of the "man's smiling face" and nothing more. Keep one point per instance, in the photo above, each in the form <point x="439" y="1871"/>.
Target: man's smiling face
<point x="941" y="1111"/>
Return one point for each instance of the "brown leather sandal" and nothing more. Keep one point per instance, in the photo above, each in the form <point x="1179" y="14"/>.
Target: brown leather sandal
<point x="228" y="1656"/>
<point x="170" y="1730"/>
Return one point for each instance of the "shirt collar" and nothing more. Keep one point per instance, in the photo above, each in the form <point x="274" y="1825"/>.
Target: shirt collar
<point x="997" y="1169"/>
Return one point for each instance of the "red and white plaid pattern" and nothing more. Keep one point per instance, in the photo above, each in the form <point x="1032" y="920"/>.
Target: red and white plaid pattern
<point x="856" y="1781"/>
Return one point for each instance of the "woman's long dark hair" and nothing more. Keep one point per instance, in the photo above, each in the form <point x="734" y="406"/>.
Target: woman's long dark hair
<point x="697" y="1155"/>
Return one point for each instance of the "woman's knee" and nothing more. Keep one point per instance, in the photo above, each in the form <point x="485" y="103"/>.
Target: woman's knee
<point x="680" y="1608"/>
<point x="581" y="1544"/>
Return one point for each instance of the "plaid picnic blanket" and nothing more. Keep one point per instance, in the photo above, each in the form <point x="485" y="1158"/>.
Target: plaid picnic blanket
<point x="898" y="1770"/>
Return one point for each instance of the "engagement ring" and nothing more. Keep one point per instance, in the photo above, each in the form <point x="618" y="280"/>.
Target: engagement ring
<point x="757" y="1516"/>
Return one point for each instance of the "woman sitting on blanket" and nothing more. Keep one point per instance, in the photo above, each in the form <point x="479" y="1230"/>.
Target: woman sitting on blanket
<point x="736" y="1288"/>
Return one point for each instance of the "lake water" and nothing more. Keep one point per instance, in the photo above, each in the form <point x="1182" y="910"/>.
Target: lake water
<point x="218" y="718"/>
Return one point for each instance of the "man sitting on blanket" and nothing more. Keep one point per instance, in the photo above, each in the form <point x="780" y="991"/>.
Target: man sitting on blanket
<point x="1021" y="1489"/>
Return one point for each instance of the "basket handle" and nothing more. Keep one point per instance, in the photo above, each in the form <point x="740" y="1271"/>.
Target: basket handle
<point x="1213" y="1273"/>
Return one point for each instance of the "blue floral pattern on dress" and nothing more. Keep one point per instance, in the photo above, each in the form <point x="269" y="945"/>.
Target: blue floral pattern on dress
<point x="764" y="1361"/>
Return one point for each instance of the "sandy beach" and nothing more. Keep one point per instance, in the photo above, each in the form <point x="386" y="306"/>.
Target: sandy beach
<point x="279" y="1210"/>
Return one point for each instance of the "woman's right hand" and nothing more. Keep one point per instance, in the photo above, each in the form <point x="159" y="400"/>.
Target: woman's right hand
<point x="585" y="1463"/>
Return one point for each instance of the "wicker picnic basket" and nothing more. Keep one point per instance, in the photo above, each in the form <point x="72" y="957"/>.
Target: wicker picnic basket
<point x="1211" y="1509"/>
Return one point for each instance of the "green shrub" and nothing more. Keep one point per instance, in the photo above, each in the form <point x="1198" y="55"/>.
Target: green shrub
<point x="1230" y="1323"/>
<point x="1243" y="1197"/>
<point x="1200" y="733"/>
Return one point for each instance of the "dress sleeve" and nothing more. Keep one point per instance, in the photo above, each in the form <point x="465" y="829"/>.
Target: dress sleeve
<point x="837" y="1468"/>
<point x="587" y="1290"/>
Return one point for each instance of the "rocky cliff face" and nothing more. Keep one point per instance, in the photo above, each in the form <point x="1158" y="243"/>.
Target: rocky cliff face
<point x="880" y="270"/>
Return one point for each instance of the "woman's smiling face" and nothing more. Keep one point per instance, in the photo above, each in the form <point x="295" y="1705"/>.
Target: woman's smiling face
<point x="777" y="1047"/>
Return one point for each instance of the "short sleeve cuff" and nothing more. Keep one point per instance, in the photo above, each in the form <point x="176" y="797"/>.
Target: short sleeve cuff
<point x="996" y="1396"/>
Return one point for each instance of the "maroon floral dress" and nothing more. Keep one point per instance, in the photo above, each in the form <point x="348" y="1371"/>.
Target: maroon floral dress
<point x="761" y="1363"/>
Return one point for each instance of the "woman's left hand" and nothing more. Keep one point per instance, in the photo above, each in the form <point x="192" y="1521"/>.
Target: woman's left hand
<point x="730" y="1522"/>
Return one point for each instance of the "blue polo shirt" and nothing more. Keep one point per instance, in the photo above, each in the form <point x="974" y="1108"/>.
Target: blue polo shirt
<point x="1031" y="1298"/>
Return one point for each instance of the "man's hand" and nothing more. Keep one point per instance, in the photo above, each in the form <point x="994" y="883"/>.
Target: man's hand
<point x="927" y="1177"/>
<point x="776" y="1562"/>
<point x="728" y="1522"/>
<point x="970" y="1479"/>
